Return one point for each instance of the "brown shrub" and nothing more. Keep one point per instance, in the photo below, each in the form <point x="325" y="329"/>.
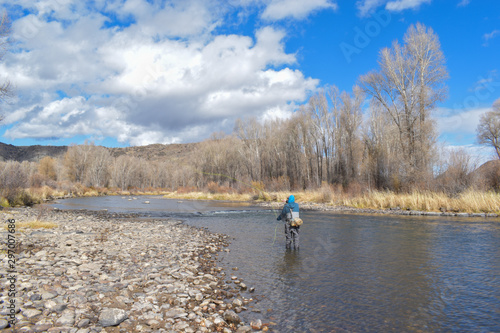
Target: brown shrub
<point x="186" y="189"/>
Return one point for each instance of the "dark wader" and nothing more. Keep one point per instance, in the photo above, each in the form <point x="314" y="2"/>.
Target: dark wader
<point x="291" y="235"/>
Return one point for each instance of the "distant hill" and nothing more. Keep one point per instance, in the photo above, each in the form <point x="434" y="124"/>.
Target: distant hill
<point x="490" y="173"/>
<point x="29" y="153"/>
<point x="488" y="167"/>
<point x="151" y="152"/>
<point x="157" y="151"/>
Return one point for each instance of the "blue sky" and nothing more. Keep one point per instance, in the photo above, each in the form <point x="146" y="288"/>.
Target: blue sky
<point x="138" y="72"/>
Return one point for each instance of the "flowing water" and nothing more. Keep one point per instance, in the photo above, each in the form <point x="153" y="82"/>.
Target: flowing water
<point x="353" y="272"/>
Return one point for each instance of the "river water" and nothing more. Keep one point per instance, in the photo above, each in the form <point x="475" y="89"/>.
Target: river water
<point x="353" y="272"/>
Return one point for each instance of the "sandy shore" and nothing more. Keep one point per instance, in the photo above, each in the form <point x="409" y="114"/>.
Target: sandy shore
<point x="100" y="272"/>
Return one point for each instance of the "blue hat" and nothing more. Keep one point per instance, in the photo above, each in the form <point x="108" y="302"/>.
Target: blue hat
<point x="291" y="199"/>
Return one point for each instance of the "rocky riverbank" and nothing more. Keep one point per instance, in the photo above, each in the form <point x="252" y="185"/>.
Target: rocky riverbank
<point x="393" y="211"/>
<point x="100" y="272"/>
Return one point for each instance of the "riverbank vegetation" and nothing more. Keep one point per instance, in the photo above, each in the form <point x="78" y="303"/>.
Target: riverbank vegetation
<point x="373" y="147"/>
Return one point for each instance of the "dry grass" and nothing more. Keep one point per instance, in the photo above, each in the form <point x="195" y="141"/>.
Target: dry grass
<point x="34" y="225"/>
<point x="467" y="202"/>
<point x="45" y="193"/>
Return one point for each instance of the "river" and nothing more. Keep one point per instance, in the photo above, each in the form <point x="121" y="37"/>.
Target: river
<point x="353" y="272"/>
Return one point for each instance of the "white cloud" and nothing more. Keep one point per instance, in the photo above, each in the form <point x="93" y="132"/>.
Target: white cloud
<point x="463" y="123"/>
<point x="478" y="154"/>
<point x="460" y="127"/>
<point x="278" y="112"/>
<point x="298" y="9"/>
<point x="367" y="7"/>
<point x="151" y="80"/>
<point x="463" y="3"/>
<point x="400" y="5"/>
<point x="489" y="36"/>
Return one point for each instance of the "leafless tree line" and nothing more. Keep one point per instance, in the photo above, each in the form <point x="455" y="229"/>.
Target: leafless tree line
<point x="328" y="142"/>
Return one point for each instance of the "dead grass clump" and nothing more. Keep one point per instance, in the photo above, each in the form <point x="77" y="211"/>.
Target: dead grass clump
<point x="36" y="225"/>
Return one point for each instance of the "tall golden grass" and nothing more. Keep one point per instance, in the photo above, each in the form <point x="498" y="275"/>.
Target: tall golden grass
<point x="466" y="202"/>
<point x="470" y="201"/>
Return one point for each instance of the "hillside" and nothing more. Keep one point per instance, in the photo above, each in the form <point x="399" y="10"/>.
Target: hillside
<point x="150" y="152"/>
<point x="156" y="152"/>
<point x="29" y="153"/>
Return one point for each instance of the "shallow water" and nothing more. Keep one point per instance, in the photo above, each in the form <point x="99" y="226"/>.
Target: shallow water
<point x="353" y="273"/>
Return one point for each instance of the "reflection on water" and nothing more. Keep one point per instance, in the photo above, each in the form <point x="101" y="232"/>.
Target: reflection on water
<point x="357" y="273"/>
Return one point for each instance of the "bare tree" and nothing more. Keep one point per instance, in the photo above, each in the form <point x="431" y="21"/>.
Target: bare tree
<point x="251" y="133"/>
<point x="381" y="150"/>
<point x="488" y="130"/>
<point x="408" y="85"/>
<point x="47" y="168"/>
<point x="77" y="161"/>
<point x="96" y="171"/>
<point x="458" y="175"/>
<point x="122" y="171"/>
<point x="350" y="122"/>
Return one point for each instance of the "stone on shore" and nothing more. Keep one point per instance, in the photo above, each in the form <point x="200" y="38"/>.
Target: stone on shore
<point x="231" y="317"/>
<point x="100" y="269"/>
<point x="30" y="313"/>
<point x="3" y="324"/>
<point x="112" y="317"/>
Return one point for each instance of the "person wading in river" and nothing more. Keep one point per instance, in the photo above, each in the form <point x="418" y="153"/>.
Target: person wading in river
<point x="291" y="233"/>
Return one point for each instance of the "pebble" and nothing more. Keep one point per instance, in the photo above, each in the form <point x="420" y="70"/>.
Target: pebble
<point x="99" y="269"/>
<point x="30" y="313"/>
<point x="256" y="325"/>
<point x="231" y="317"/>
<point x="3" y="324"/>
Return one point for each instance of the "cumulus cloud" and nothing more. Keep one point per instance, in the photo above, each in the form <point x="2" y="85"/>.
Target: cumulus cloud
<point x="144" y="72"/>
<point x="459" y="126"/>
<point x="298" y="9"/>
<point x="465" y="122"/>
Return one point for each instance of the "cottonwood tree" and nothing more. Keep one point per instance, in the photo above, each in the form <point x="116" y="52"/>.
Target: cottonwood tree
<point x="488" y="130"/>
<point x="251" y="134"/>
<point x="407" y="86"/>
<point x="381" y="150"/>
<point x="122" y="171"/>
<point x="77" y="161"/>
<point x="47" y="168"/>
<point x="350" y="119"/>
<point x="322" y="132"/>
<point x="96" y="171"/>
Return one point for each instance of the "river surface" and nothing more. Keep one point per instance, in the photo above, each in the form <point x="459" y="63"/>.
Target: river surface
<point x="353" y="272"/>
